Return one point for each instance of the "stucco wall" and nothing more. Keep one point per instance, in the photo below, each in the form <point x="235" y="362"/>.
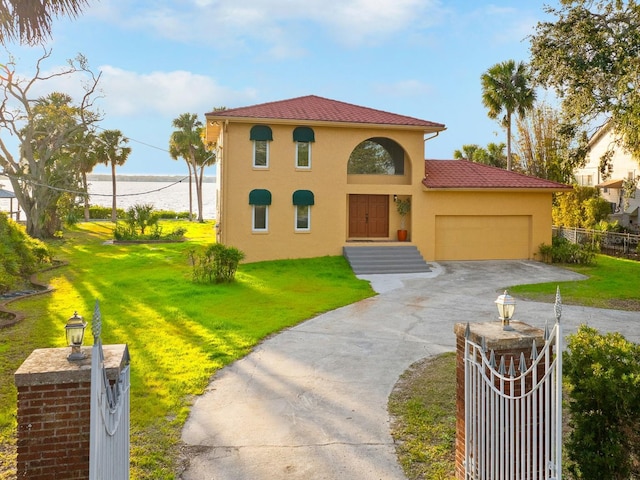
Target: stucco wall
<point x="327" y="179"/>
<point x="508" y="209"/>
<point x="331" y="185"/>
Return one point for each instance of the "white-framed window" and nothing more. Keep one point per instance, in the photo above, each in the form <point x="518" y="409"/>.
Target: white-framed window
<point x="261" y="136"/>
<point x="260" y="218"/>
<point x="303" y="155"/>
<point x="303" y="218"/>
<point x="259" y="199"/>
<point x="261" y="154"/>
<point x="303" y="137"/>
<point x="302" y="202"/>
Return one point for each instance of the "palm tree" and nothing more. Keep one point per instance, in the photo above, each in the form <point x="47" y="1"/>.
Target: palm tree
<point x="86" y="159"/>
<point x="110" y="150"/>
<point x="30" y="22"/>
<point x="187" y="142"/>
<point x="506" y="87"/>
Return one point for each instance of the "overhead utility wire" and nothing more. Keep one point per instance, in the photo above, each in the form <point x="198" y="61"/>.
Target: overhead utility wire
<point x="137" y="141"/>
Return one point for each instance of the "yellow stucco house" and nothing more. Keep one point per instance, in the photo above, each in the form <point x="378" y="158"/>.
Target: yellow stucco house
<point x="308" y="176"/>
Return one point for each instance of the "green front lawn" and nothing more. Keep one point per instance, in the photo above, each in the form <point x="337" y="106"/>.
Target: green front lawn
<point x="179" y="333"/>
<point x="613" y="283"/>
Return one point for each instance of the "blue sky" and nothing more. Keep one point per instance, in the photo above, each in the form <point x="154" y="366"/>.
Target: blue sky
<point x="161" y="58"/>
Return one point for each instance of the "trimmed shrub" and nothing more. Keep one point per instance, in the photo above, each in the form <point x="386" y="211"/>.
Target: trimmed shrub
<point x="603" y="373"/>
<point x="217" y="263"/>
<point x="562" y="250"/>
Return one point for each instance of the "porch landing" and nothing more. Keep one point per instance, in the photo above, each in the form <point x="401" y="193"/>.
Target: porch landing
<point x="367" y="259"/>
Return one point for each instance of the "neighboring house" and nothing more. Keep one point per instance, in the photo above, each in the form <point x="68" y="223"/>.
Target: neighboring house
<point x="624" y="170"/>
<point x="308" y="176"/>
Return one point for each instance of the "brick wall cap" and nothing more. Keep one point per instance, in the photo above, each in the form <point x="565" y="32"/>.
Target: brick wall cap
<point x="496" y="338"/>
<point x="50" y="366"/>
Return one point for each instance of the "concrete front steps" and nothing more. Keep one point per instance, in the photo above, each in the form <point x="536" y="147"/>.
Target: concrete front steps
<point x="367" y="260"/>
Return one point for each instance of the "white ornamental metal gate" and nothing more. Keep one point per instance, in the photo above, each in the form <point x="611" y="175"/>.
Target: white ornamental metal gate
<point x="109" y="435"/>
<point x="513" y="413"/>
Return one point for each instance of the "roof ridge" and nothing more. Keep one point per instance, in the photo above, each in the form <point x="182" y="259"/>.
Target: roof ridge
<point x="317" y="108"/>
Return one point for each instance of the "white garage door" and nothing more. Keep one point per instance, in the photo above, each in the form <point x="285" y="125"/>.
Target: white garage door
<point x="484" y="237"/>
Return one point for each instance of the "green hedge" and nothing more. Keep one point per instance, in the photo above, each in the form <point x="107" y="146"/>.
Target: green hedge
<point x="20" y="255"/>
<point x="104" y="213"/>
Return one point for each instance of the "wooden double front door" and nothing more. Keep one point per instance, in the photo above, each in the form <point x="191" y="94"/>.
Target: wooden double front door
<point x="368" y="216"/>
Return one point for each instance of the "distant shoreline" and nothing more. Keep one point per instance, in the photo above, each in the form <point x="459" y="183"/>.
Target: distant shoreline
<point x="104" y="177"/>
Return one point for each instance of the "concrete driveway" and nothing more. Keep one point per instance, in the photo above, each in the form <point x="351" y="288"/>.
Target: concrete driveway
<point x="311" y="402"/>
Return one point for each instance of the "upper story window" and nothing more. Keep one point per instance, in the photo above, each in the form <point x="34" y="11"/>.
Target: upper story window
<point x="303" y="138"/>
<point x="585" y="180"/>
<point x="261" y="136"/>
<point x="376" y="156"/>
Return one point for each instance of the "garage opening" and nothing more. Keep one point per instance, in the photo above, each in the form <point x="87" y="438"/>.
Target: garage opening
<point x="480" y="237"/>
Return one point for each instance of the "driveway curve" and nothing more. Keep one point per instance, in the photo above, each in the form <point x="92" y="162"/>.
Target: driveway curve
<point x="311" y="402"/>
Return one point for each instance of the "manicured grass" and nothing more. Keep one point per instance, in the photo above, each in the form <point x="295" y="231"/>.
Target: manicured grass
<point x="423" y="410"/>
<point x="422" y="404"/>
<point x="179" y="333"/>
<point x="613" y="283"/>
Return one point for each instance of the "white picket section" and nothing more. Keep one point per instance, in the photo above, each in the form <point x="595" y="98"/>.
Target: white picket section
<point x="513" y="412"/>
<point x="109" y="435"/>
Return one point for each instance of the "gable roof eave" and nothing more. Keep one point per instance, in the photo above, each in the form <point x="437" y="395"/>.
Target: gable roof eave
<point x="567" y="188"/>
<point x="298" y="122"/>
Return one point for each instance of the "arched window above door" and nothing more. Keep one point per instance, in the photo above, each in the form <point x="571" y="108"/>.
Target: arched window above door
<point x="377" y="156"/>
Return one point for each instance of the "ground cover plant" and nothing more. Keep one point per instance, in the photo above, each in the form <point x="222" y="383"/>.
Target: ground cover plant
<point x="423" y="422"/>
<point x="179" y="333"/>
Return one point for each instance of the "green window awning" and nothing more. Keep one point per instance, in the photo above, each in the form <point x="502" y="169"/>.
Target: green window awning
<point x="260" y="132"/>
<point x="303" y="197"/>
<point x="303" y="134"/>
<point x="259" y="196"/>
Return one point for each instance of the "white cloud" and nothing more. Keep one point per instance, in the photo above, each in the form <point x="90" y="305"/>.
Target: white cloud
<point x="279" y="23"/>
<point x="129" y="93"/>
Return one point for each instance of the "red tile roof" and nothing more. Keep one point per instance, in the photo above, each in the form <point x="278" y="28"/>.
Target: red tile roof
<point x="314" y="108"/>
<point x="469" y="175"/>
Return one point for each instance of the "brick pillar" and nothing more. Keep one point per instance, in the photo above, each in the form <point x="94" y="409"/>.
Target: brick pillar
<point x="54" y="397"/>
<point x="505" y="343"/>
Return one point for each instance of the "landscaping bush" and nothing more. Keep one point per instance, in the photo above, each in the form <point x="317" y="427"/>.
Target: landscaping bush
<point x="99" y="213"/>
<point x="141" y="223"/>
<point x="603" y="373"/>
<point x="562" y="250"/>
<point x="216" y="264"/>
<point x="20" y="255"/>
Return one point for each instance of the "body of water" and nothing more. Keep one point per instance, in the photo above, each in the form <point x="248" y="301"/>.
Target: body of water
<point x="163" y="195"/>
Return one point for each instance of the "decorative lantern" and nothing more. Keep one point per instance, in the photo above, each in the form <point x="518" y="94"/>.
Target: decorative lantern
<point x="75" y="335"/>
<point x="506" y="306"/>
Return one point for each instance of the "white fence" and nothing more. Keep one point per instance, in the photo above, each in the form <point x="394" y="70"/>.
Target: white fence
<point x="513" y="413"/>
<point x="109" y="436"/>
